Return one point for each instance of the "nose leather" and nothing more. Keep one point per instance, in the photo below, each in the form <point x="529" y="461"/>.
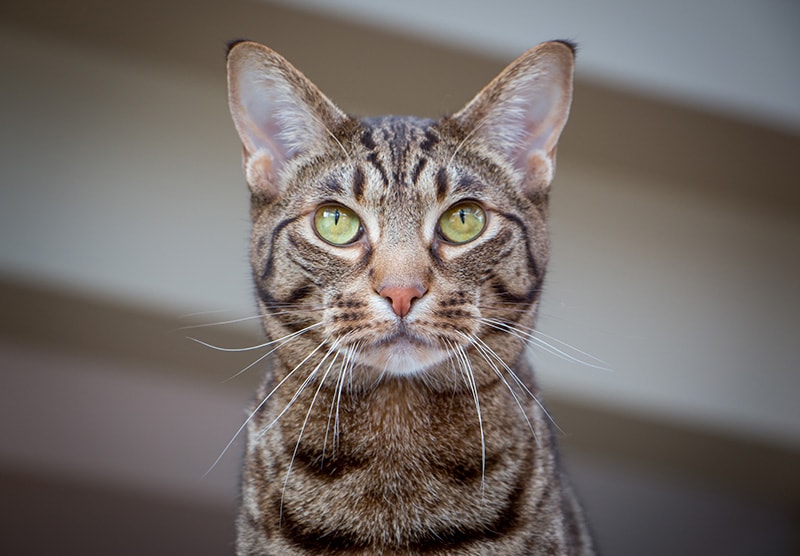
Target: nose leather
<point x="401" y="297"/>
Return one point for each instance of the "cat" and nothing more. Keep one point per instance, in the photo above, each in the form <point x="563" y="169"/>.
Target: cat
<point x="398" y="264"/>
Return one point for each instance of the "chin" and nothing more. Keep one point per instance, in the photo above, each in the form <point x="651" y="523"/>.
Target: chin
<point x="402" y="356"/>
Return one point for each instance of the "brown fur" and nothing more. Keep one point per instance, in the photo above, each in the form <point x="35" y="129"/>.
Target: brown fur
<point x="376" y="433"/>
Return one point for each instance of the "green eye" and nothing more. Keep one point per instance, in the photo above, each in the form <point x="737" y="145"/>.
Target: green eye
<point x="462" y="222"/>
<point x="336" y="224"/>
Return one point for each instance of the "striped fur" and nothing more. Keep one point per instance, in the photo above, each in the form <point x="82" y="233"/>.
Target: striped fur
<point x="376" y="433"/>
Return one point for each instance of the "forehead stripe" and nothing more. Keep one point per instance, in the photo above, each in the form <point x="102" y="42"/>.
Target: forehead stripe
<point x="418" y="170"/>
<point x="373" y="159"/>
<point x="358" y="183"/>
<point x="441" y="184"/>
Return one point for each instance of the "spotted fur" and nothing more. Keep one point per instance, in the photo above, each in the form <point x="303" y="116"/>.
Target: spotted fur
<point x="377" y="432"/>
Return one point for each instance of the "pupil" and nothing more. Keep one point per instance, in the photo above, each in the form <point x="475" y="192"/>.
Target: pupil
<point x="336" y="217"/>
<point x="462" y="215"/>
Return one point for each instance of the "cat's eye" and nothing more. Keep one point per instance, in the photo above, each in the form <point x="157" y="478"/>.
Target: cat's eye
<point x="337" y="225"/>
<point x="462" y="222"/>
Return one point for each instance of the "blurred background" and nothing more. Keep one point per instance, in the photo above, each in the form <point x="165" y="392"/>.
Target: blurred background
<point x="676" y="256"/>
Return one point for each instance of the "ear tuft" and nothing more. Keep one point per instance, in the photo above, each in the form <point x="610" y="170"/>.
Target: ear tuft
<point x="230" y="44"/>
<point x="520" y="114"/>
<point x="572" y="45"/>
<point x="278" y="113"/>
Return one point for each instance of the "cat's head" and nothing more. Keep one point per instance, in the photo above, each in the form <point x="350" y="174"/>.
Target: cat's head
<point x="397" y="244"/>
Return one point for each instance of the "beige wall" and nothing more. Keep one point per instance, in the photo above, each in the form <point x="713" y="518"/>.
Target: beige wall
<point x="121" y="178"/>
<point x="675" y="236"/>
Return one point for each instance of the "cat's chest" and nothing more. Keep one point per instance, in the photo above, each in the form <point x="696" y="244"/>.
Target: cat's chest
<point x="396" y="428"/>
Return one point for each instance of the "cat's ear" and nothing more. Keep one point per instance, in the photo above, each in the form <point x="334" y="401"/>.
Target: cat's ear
<point x="520" y="114"/>
<point x="277" y="111"/>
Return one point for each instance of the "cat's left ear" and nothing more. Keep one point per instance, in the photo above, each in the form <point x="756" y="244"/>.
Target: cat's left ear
<point x="278" y="113"/>
<point x="520" y="114"/>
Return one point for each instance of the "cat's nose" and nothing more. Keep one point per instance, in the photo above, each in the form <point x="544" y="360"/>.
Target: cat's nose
<point x="401" y="297"/>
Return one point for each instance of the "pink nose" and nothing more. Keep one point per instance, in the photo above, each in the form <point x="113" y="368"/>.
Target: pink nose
<point x="401" y="298"/>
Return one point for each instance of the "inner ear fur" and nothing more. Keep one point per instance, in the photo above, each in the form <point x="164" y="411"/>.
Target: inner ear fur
<point x="521" y="113"/>
<point x="278" y="113"/>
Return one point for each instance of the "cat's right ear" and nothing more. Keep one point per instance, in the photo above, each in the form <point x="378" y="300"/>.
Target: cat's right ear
<point x="278" y="113"/>
<point x="521" y="113"/>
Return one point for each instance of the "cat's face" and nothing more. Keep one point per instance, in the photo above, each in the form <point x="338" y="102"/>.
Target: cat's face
<point x="395" y="245"/>
<point x="404" y="271"/>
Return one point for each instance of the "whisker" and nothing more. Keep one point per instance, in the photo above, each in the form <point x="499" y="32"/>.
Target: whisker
<point x="504" y="309"/>
<point x="283" y="341"/>
<point x="330" y="133"/>
<point x="302" y="387"/>
<point x="349" y="363"/>
<point x="332" y="349"/>
<point x="469" y="378"/>
<point x="487" y="353"/>
<point x="348" y="374"/>
<point x="531" y="338"/>
<point x="294" y="309"/>
<point x="496" y="302"/>
<point x="521" y="384"/>
<point x="251" y="348"/>
<point x="466" y="139"/>
<point x="219" y="323"/>
<point x="330" y="416"/>
<point x="202" y="313"/>
<point x="335" y="400"/>
<point x="293" y="304"/>
<point x="451" y="358"/>
<point x="569" y="346"/>
<point x="258" y="408"/>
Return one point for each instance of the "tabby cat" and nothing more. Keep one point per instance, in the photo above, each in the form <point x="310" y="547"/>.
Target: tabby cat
<point x="398" y="263"/>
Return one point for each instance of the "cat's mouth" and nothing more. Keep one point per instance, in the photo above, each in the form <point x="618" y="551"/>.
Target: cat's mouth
<point x="402" y="334"/>
<point x="402" y="353"/>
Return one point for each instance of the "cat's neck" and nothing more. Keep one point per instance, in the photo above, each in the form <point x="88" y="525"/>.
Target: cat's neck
<point x="414" y="419"/>
<point x="402" y="439"/>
